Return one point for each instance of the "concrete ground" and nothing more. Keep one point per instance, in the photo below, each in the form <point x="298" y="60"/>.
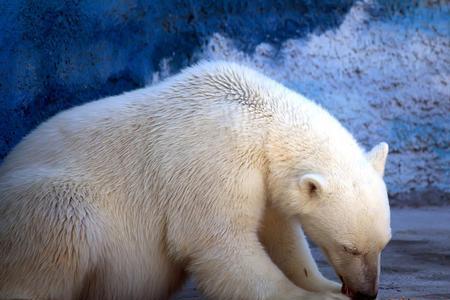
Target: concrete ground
<point x="415" y="264"/>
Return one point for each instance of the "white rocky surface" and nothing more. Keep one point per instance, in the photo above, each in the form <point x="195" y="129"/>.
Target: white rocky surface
<point x="387" y="78"/>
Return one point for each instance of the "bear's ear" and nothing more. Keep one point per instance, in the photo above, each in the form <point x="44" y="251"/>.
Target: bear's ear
<point x="312" y="184"/>
<point x="377" y="157"/>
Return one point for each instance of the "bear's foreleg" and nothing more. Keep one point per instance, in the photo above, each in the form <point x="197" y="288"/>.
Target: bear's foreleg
<point x="286" y="244"/>
<point x="234" y="265"/>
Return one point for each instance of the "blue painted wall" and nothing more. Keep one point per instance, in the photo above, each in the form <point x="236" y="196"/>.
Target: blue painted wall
<point x="57" y="54"/>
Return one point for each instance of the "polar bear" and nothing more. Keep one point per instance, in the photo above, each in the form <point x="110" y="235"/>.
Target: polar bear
<point x="216" y="173"/>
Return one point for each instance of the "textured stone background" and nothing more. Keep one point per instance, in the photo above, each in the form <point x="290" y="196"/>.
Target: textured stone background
<point x="381" y="67"/>
<point x="386" y="76"/>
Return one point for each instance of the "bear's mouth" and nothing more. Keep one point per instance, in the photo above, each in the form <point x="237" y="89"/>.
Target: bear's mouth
<point x="345" y="289"/>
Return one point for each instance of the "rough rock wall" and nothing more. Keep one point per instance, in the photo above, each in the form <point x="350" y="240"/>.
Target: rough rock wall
<point x="385" y="73"/>
<point x="382" y="67"/>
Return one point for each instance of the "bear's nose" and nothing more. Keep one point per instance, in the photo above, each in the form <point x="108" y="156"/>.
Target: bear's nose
<point x="362" y="296"/>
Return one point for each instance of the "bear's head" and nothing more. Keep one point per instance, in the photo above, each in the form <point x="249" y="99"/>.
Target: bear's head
<point x="343" y="208"/>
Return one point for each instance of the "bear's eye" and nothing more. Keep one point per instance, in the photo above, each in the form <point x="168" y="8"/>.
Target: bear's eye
<point x="352" y="250"/>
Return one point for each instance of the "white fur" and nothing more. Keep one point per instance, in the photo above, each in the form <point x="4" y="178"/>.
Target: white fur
<point x="201" y="174"/>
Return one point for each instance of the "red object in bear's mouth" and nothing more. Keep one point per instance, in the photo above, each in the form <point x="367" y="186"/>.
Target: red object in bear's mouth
<point x="346" y="291"/>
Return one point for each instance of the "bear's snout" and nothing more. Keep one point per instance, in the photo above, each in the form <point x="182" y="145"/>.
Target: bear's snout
<point x="356" y="295"/>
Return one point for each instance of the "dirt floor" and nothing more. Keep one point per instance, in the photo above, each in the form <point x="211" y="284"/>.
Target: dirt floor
<point x="416" y="263"/>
